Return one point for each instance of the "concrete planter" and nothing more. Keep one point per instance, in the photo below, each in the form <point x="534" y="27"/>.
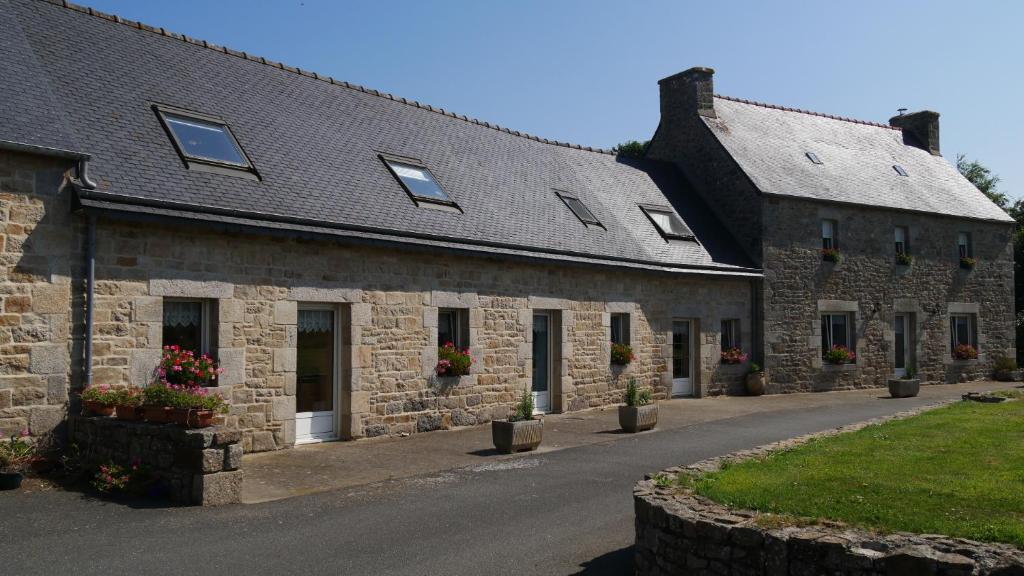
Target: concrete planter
<point x="901" y="388"/>
<point x="756" y="382"/>
<point x="638" y="418"/>
<point x="512" y="437"/>
<point x="10" y="480"/>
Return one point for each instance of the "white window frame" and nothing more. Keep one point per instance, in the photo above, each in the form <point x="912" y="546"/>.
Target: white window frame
<point x="963" y="244"/>
<point x="829" y="229"/>
<point x="731" y="337"/>
<point x="972" y="336"/>
<point x="851" y="333"/>
<point x="623" y="331"/>
<point x="460" y="319"/>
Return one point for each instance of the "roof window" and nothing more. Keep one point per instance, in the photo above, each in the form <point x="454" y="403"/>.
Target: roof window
<point x="579" y="209"/>
<point x="814" y="158"/>
<point x="203" y="139"/>
<point x="899" y="170"/>
<point x="667" y="222"/>
<point x="417" y="181"/>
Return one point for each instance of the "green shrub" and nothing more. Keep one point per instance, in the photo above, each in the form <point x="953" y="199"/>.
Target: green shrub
<point x="1005" y="364"/>
<point x="635" y="396"/>
<point x="524" y="408"/>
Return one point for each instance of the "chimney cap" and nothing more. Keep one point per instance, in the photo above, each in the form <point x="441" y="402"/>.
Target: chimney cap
<point x="690" y="72"/>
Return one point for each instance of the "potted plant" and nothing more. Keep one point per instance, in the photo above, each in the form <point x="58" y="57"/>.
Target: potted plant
<point x="522" y="431"/>
<point x="183" y="367"/>
<point x="194" y="407"/>
<point x="622" y="354"/>
<point x="1005" y="369"/>
<point x="15" y="455"/>
<point x="127" y="404"/>
<point x="965" y="352"/>
<point x="733" y="356"/>
<point x="831" y="255"/>
<point x="157" y="399"/>
<point x="756" y="380"/>
<point x="98" y="400"/>
<point x="906" y="386"/>
<point x="904" y="259"/>
<point x="452" y="362"/>
<point x="968" y="263"/>
<point x="639" y="413"/>
<point x="838" y="355"/>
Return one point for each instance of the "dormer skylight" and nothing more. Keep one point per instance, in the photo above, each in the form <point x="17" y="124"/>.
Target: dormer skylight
<point x="417" y="181"/>
<point x="814" y="158"/>
<point x="668" y="224"/>
<point x="899" y="170"/>
<point x="579" y="209"/>
<point x="203" y="139"/>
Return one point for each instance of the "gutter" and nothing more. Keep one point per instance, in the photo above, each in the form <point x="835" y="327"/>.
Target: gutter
<point x="80" y="183"/>
<point x="43" y="150"/>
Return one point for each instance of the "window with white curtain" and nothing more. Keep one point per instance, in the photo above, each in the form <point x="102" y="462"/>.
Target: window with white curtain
<point x="187" y="324"/>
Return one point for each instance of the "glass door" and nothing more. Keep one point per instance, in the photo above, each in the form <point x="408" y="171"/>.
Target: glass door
<point x="316" y="375"/>
<point x="682" y="348"/>
<point x="541" y="362"/>
<point x="902" y="338"/>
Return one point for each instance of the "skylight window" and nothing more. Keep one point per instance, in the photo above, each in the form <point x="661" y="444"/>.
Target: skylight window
<point x="899" y="170"/>
<point x="814" y="158"/>
<point x="203" y="139"/>
<point x="667" y="223"/>
<point x="579" y="209"/>
<point x="418" y="181"/>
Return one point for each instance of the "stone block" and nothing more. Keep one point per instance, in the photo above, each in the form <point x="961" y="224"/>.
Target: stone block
<point x="362" y="314"/>
<point x="223" y="436"/>
<point x="217" y="489"/>
<point x="43" y="419"/>
<point x="49" y="359"/>
<point x="182" y="288"/>
<point x="211" y="460"/>
<point x="283" y="408"/>
<point x="232" y="360"/>
<point x="233" y="457"/>
<point x="6" y="398"/>
<point x="51" y="298"/>
<point x="230" y="310"/>
<point x="148" y="309"/>
<point x="284" y="359"/>
<point x="319" y="294"/>
<point x="286" y="312"/>
<point x="263" y="441"/>
<point x="142" y="365"/>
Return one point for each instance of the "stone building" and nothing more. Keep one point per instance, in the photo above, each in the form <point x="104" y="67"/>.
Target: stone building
<point x="322" y="239"/>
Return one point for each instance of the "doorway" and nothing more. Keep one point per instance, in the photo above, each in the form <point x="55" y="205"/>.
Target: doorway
<point x="317" y="371"/>
<point x="542" y="355"/>
<point x="682" y="358"/>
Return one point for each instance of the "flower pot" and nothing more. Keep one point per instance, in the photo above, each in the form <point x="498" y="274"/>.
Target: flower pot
<point x="157" y="414"/>
<point x="756" y="382"/>
<point x="516" y="436"/>
<point x="193" y="418"/>
<point x="128" y="412"/>
<point x="10" y="480"/>
<point x="97" y="408"/>
<point x="903" y="388"/>
<point x="638" y="418"/>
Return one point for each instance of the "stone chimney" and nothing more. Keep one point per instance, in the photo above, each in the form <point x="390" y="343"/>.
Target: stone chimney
<point x="920" y="129"/>
<point x="691" y="91"/>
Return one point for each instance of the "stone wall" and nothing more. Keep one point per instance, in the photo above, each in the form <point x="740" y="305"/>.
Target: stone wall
<point x="799" y="286"/>
<point x="201" y="467"/>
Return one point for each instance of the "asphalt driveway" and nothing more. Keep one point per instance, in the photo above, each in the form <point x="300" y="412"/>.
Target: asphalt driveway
<point x="563" y="511"/>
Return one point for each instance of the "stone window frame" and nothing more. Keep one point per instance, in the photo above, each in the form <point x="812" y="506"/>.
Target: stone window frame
<point x="964" y="244"/>
<point x="972" y="310"/>
<point x="437" y="300"/>
<point x="460" y="326"/>
<point x="911" y="308"/>
<point x="562" y="324"/>
<point x="905" y="248"/>
<point x="833" y="234"/>
<point x="208" y="323"/>
<point x="850" y="308"/>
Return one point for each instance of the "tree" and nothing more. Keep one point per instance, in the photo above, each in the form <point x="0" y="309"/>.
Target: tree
<point x="631" y="149"/>
<point x="983" y="179"/>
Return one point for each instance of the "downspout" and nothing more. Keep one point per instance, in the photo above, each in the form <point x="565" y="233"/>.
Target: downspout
<point x="83" y="182"/>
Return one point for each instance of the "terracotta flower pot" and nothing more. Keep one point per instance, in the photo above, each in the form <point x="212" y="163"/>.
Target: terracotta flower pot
<point x="97" y="408"/>
<point x="128" y="412"/>
<point x="756" y="382"/>
<point x="157" y="414"/>
<point x="516" y="436"/>
<point x="638" y="418"/>
<point x="192" y="418"/>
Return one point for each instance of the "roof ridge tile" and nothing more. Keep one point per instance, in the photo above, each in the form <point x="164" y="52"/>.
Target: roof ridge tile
<point x="808" y="112"/>
<point x="308" y="74"/>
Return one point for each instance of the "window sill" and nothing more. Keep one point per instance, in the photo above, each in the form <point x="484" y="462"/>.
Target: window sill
<point x="971" y="362"/>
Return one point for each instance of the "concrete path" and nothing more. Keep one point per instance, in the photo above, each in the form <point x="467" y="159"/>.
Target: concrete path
<point x="563" y="511"/>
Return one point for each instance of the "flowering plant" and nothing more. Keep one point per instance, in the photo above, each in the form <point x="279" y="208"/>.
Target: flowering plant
<point x="16" y="453"/>
<point x="831" y="255"/>
<point x="968" y="262"/>
<point x="965" y="352"/>
<point x="102" y="394"/>
<point x="904" y="259"/>
<point x="840" y="355"/>
<point x="733" y="356"/>
<point x="179" y="366"/>
<point x="112" y="477"/>
<point x="131" y="396"/>
<point x="452" y="361"/>
<point x="622" y="354"/>
<point x="180" y="396"/>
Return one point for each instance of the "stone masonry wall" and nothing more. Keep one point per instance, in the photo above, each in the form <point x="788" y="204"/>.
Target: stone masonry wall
<point x="799" y="286"/>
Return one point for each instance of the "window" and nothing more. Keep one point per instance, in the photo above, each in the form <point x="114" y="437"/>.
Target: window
<point x="963" y="243"/>
<point x="187" y="324"/>
<point x="203" y="139"/>
<point x="667" y="223"/>
<point x="962" y="331"/>
<point x="731" y="334"/>
<point x="836" y="330"/>
<point x="417" y="181"/>
<point x="828" y="234"/>
<point x="620" y="329"/>
<point x="901" y="235"/>
<point x="899" y="170"/>
<point x="453" y="326"/>
<point x="579" y="209"/>
<point x="814" y="158"/>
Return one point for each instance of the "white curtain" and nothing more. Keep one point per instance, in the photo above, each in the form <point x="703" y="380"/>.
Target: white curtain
<point x="316" y="320"/>
<point x="182" y="313"/>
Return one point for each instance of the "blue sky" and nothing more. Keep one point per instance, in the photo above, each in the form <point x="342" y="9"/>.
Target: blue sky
<point x="586" y="71"/>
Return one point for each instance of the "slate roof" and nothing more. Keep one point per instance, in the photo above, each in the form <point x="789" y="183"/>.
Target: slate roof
<point x="770" y="144"/>
<point x="315" y="143"/>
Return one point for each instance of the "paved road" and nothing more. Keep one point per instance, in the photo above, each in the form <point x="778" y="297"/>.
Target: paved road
<point x="563" y="512"/>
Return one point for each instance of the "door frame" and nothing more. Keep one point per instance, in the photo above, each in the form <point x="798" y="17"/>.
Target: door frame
<point x="336" y="396"/>
<point x="551" y="361"/>
<point x="691" y="380"/>
<point x="907" y="341"/>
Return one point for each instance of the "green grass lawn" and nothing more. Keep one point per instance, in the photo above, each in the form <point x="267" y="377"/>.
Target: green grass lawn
<point x="958" y="470"/>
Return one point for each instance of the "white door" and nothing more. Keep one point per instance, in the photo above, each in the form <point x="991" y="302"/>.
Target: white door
<point x="902" y="337"/>
<point x="316" y="386"/>
<point x="682" y="358"/>
<point x="541" y="362"/>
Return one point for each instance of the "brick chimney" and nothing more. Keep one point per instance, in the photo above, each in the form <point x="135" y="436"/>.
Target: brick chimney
<point x="690" y="91"/>
<point x="920" y="129"/>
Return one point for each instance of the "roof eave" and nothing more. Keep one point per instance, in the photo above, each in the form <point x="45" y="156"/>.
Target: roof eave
<point x="13" y="146"/>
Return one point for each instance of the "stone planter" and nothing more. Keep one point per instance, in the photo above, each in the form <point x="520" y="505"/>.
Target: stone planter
<point x="756" y="382"/>
<point x="638" y="418"/>
<point x="516" y="436"/>
<point x="11" y="480"/>
<point x="97" y="408"/>
<point x="902" y="388"/>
